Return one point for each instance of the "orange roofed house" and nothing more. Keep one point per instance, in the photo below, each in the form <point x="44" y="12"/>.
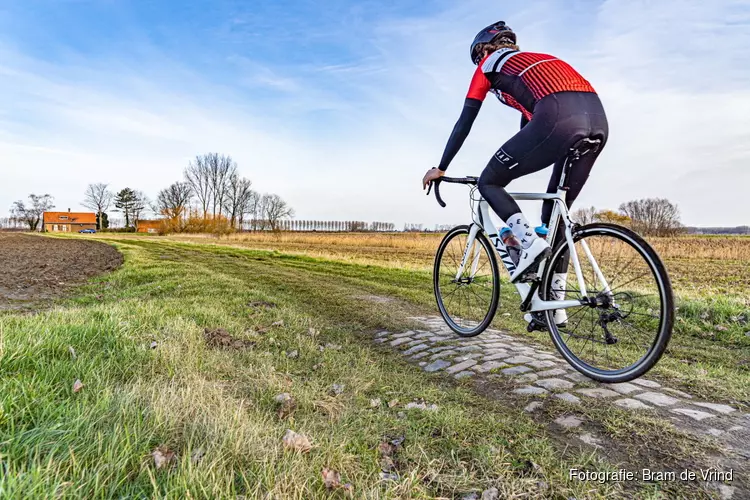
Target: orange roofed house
<point x="67" y="222"/>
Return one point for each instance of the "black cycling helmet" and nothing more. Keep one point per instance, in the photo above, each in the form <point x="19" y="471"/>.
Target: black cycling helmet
<point x="488" y="35"/>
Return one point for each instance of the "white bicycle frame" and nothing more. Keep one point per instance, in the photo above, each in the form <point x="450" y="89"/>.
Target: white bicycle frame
<point x="482" y="222"/>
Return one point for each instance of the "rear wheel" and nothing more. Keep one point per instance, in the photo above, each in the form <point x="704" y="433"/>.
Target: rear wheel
<point x="624" y="329"/>
<point x="468" y="301"/>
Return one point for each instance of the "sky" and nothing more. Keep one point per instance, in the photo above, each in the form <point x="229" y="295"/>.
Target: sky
<point x="340" y="106"/>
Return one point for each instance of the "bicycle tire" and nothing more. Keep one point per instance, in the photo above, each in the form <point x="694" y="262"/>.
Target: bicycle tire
<point x="495" y="294"/>
<point x="666" y="322"/>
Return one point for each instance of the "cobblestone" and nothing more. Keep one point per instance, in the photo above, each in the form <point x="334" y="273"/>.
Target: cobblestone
<point x="597" y="393"/>
<point x="443" y="354"/>
<point x="554" y="384"/>
<point x="725" y="409"/>
<point x="646" y="383"/>
<point x="436" y="365"/>
<point x="624" y="388"/>
<point x="694" y="414"/>
<point x="517" y="360"/>
<point x="541" y="364"/>
<point x="490" y="365"/>
<point x="551" y="373"/>
<point x="530" y="391"/>
<point x="499" y="355"/>
<point x="415" y="349"/>
<point x="657" y="398"/>
<point x="398" y="342"/>
<point x="527" y="378"/>
<point x="516" y="370"/>
<point x="632" y="404"/>
<point x="464" y="374"/>
<point x="577" y="377"/>
<point x="570" y="398"/>
<point x="461" y="366"/>
<point x="677" y="393"/>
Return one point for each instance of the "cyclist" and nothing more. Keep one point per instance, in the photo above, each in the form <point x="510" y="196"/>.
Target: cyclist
<point x="558" y="107"/>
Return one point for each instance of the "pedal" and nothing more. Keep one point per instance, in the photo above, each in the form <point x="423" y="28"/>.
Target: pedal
<point x="536" y="324"/>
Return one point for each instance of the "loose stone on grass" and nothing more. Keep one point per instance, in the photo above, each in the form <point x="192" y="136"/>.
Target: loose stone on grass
<point x="569" y="421"/>
<point x="533" y="406"/>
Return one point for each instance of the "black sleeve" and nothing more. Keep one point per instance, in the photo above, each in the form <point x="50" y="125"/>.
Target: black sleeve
<point x="524" y="121"/>
<point x="460" y="131"/>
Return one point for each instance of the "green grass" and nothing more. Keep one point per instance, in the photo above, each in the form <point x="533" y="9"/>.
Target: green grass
<point x="189" y="398"/>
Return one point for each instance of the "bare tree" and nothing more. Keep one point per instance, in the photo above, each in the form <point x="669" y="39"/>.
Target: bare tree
<point x="653" y="216"/>
<point x="584" y="216"/>
<point x="98" y="198"/>
<point x="173" y="201"/>
<point x="198" y="175"/>
<point x="221" y="170"/>
<point x="237" y="198"/>
<point x="275" y="209"/>
<point x="32" y="213"/>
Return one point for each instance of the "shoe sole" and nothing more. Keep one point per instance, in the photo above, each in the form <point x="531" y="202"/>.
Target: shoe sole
<point x="537" y="260"/>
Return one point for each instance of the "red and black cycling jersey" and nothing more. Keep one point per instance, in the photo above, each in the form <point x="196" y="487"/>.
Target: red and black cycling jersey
<point x="518" y="79"/>
<point x="521" y="79"/>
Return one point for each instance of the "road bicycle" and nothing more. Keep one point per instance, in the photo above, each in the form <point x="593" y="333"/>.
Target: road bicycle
<point x="618" y="299"/>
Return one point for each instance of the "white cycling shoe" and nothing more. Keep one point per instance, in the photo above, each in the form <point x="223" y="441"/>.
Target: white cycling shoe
<point x="538" y="250"/>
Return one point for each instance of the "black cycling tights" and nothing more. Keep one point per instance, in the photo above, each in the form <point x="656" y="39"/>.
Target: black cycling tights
<point x="560" y="120"/>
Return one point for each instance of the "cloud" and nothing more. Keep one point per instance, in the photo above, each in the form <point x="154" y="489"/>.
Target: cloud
<point x="348" y="134"/>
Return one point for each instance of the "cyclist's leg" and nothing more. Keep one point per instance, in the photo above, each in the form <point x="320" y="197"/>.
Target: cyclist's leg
<point x="533" y="148"/>
<point x="579" y="174"/>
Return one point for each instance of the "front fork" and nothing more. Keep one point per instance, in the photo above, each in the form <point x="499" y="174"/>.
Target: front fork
<point x="470" y="244"/>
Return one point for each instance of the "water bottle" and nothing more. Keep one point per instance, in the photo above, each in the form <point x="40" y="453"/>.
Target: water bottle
<point x="542" y="231"/>
<point x="511" y="244"/>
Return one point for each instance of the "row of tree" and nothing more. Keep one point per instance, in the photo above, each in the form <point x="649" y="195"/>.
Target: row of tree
<point x="648" y="216"/>
<point x="212" y="196"/>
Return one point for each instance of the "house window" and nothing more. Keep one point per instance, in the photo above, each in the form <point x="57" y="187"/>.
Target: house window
<point x="63" y="217"/>
<point x="54" y="227"/>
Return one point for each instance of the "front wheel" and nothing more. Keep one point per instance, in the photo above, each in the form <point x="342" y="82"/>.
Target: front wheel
<point x="466" y="297"/>
<point x="624" y="328"/>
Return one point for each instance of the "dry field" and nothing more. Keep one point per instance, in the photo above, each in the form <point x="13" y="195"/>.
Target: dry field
<point x="700" y="266"/>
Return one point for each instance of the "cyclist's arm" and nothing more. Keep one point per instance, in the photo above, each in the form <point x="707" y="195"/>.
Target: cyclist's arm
<point x="480" y="85"/>
<point x="460" y="131"/>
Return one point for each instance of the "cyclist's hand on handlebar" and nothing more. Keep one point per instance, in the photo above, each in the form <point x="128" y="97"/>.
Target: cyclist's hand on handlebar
<point x="431" y="175"/>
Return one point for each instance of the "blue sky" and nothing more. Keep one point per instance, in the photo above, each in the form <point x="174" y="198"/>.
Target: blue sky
<point x="340" y="106"/>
